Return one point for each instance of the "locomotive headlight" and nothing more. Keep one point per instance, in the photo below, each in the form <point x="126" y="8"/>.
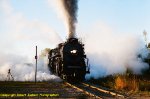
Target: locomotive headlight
<point x="73" y="51"/>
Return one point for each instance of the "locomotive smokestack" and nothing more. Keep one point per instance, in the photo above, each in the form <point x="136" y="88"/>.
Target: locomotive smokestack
<point x="71" y="7"/>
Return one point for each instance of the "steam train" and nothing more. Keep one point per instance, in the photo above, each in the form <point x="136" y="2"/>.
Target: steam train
<point x="68" y="60"/>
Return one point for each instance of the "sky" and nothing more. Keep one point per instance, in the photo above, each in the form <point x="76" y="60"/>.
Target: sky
<point x="27" y="23"/>
<point x="123" y="16"/>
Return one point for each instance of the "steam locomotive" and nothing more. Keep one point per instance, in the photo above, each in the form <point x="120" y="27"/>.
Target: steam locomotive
<point x="68" y="60"/>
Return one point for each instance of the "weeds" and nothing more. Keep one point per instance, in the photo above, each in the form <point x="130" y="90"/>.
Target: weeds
<point x="124" y="82"/>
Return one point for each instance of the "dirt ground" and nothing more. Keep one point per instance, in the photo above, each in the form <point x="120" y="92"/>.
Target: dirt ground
<point x="38" y="90"/>
<point x="45" y="90"/>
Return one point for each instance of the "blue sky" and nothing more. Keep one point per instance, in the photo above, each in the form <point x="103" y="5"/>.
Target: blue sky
<point x="123" y="16"/>
<point x="130" y="16"/>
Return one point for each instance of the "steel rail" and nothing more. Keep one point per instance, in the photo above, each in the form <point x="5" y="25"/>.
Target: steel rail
<point x="105" y="91"/>
<point x="84" y="91"/>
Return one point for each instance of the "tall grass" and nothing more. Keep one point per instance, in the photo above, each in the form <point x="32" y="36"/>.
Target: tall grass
<point x="126" y="82"/>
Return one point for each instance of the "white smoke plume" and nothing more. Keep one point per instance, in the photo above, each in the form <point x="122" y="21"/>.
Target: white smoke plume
<point x="22" y="71"/>
<point x="18" y="39"/>
<point x="67" y="11"/>
<point x="111" y="53"/>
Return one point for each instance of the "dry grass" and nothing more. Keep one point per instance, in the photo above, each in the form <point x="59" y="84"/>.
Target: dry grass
<point x="120" y="83"/>
<point x="126" y="82"/>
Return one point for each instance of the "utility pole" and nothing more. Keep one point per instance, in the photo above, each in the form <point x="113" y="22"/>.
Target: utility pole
<point x="36" y="65"/>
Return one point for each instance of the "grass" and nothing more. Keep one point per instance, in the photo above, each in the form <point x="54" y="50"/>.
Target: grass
<point x="127" y="82"/>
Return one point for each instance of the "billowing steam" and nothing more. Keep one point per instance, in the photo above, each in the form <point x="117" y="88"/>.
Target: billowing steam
<point x="19" y="35"/>
<point x="68" y="10"/>
<point x="24" y="70"/>
<point x="110" y="53"/>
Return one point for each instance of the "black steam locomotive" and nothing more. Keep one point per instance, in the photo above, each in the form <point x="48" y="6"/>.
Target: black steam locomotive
<point x="68" y="60"/>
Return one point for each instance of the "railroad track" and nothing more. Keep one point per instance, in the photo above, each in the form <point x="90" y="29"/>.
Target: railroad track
<point x="95" y="92"/>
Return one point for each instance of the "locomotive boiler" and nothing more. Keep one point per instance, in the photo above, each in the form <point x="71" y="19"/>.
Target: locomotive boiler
<point x="68" y="60"/>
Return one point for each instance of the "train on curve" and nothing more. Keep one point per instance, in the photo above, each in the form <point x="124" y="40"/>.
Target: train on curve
<point x="68" y="60"/>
